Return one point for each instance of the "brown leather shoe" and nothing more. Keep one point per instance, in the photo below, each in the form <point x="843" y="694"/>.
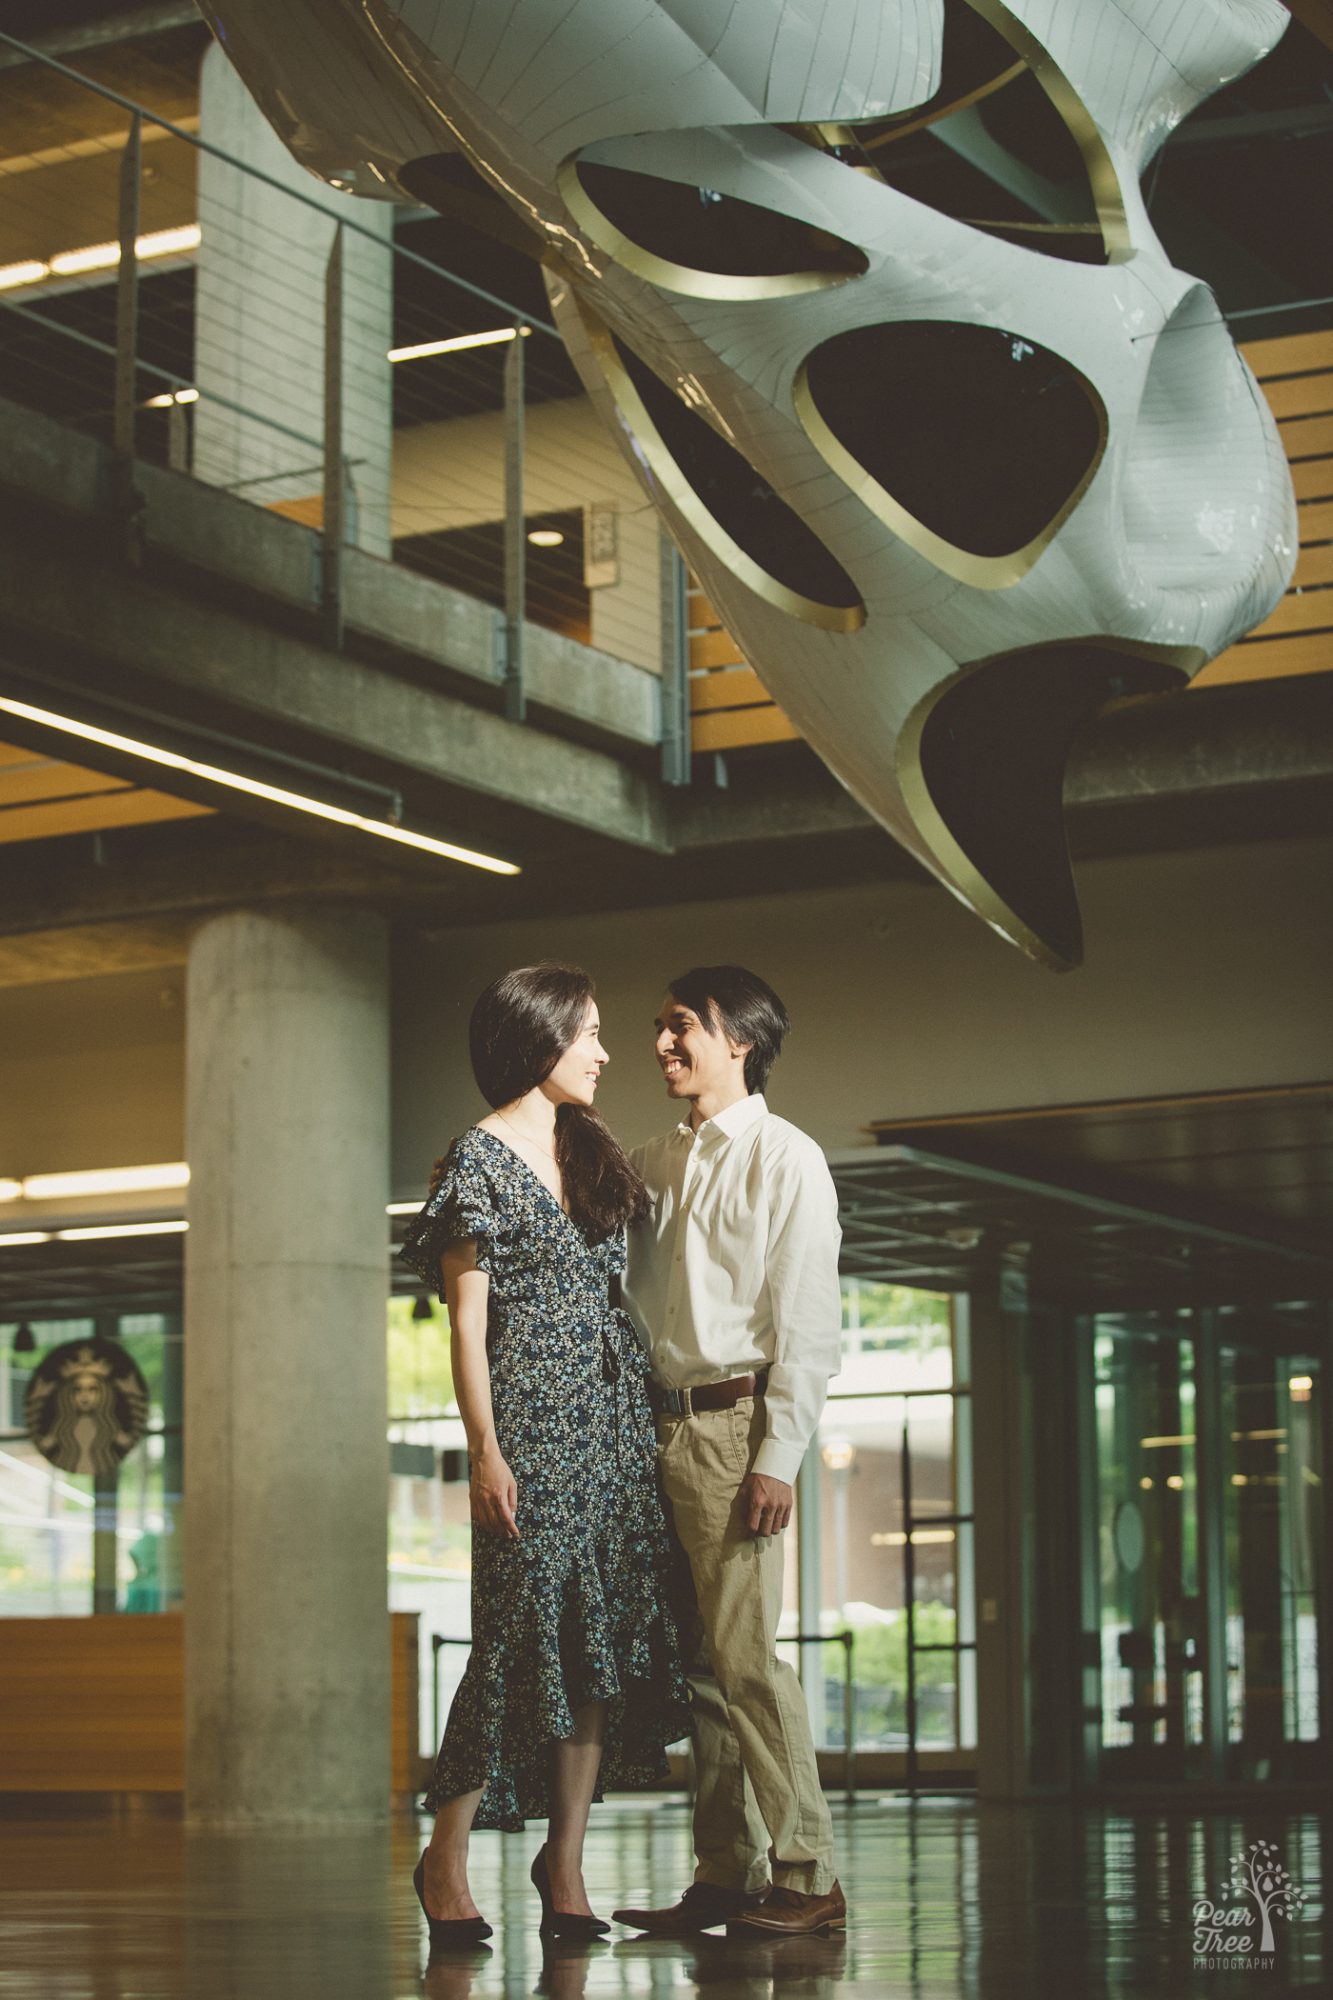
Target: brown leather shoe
<point x="703" y="1905"/>
<point x="790" y="1913"/>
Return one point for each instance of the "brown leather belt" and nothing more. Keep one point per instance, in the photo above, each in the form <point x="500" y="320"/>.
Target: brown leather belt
<point x="708" y="1395"/>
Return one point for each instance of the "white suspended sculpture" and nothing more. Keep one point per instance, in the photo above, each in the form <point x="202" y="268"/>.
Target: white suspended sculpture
<point x="871" y="297"/>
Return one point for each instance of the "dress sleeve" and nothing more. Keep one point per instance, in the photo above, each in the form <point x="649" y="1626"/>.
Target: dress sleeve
<point x="461" y="1210"/>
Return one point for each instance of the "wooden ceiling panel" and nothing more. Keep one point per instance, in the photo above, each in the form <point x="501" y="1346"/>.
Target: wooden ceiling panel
<point x="42" y="798"/>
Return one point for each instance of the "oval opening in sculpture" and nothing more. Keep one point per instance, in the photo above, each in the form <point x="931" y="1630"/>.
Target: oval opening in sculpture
<point x="981" y="762"/>
<point x="732" y="508"/>
<point x="1005" y="145"/>
<point x="973" y="444"/>
<point x="700" y="242"/>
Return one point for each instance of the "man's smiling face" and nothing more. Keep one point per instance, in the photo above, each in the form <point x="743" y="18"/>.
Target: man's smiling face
<point x="694" y="1062"/>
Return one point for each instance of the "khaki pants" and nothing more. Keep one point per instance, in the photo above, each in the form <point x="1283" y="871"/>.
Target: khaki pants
<point x="759" y="1798"/>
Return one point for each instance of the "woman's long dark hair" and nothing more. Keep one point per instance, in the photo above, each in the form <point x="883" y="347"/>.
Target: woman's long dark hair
<point x="520" y="1027"/>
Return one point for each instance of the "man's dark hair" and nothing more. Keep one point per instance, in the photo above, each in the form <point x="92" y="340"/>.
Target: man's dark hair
<point x="743" y="1006"/>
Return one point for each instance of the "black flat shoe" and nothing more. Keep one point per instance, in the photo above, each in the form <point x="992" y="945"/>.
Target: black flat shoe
<point x="448" y="1930"/>
<point x="562" y="1923"/>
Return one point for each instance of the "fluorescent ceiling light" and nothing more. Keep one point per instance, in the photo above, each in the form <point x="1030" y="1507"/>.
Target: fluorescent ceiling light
<point x="17" y="1236"/>
<point x="255" y="788"/>
<point x="101" y="256"/>
<point x="545" y="538"/>
<point x="164" y="402"/>
<point x="169" y="242"/>
<point x="11" y="1190"/>
<point x="403" y="1207"/>
<point x="457" y="344"/>
<point x="92" y="257"/>
<point x="120" y="1229"/>
<point x="105" y="1180"/>
<point x="26" y="273"/>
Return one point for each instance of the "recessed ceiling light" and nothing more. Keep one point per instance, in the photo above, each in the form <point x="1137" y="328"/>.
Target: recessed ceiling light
<point x="545" y="538"/>
<point x="26" y="273"/>
<point x="100" y="256"/>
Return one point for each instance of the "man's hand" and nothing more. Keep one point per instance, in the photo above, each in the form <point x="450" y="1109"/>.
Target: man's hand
<point x="765" y="1503"/>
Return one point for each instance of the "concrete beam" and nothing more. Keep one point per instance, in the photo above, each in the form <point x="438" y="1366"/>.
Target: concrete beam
<point x="261" y="562"/>
<point x="284" y="688"/>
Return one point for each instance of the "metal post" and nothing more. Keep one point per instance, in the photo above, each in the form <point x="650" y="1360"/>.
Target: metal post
<point x="1210" y="1476"/>
<point x="909" y="1607"/>
<point x="127" y="292"/>
<point x="106" y="1326"/>
<point x="848" y="1717"/>
<point x="809" y="1590"/>
<point x="178" y="438"/>
<point x="173" y="1459"/>
<point x="675" y="624"/>
<point x="515" y="534"/>
<point x="335" y="473"/>
<point x="105" y="1531"/>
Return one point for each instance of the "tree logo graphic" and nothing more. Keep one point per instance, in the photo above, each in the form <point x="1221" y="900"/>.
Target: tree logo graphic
<point x="1259" y="1892"/>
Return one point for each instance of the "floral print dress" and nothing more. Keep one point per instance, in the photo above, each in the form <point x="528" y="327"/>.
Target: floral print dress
<point x="577" y="1609"/>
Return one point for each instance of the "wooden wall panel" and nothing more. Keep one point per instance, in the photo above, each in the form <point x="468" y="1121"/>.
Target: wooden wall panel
<point x="1296" y="375"/>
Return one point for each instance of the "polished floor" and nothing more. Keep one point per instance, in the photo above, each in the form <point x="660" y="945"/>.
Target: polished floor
<point x="946" y="1898"/>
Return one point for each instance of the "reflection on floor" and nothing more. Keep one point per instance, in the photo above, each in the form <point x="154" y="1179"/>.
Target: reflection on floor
<point x="945" y="1898"/>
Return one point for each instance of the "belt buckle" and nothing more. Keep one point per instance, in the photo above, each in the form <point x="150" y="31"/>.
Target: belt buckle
<point x="686" y="1402"/>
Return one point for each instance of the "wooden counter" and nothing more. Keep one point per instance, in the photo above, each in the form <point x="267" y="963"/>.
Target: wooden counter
<point x="98" y="1704"/>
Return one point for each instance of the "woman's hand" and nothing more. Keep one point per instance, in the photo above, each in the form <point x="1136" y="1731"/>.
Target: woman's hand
<point x="494" y="1494"/>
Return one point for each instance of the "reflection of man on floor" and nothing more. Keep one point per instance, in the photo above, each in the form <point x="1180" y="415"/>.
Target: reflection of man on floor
<point x="733" y="1281"/>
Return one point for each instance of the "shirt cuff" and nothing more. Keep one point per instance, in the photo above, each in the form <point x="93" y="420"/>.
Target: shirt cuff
<point x="779" y="1461"/>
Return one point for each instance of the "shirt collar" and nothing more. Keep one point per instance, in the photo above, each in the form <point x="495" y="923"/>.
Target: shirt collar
<point x="737" y="1118"/>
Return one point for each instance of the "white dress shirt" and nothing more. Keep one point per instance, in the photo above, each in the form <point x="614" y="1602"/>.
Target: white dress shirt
<point x="736" y="1268"/>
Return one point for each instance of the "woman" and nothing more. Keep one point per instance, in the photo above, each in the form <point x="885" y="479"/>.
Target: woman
<point x="575" y="1677"/>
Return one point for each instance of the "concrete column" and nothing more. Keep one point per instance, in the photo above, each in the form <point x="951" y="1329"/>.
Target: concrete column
<point x="259" y="323"/>
<point x="286" y="1619"/>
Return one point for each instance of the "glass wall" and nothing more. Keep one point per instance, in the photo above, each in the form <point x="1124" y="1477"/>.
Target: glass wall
<point x="893" y="1437"/>
<point x="847" y="1557"/>
<point x="66" y="1550"/>
<point x="1210" y="1528"/>
<point x="1148" y="1534"/>
<point x="430" y="1534"/>
<point x="1274" y="1515"/>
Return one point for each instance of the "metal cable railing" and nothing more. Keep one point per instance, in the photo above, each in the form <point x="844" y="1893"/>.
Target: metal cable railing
<point x="228" y="318"/>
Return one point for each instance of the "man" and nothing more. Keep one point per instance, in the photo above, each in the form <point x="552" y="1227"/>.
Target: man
<point x="733" y="1282"/>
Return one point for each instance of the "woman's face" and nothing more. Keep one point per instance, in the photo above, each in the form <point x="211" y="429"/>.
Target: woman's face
<point x="574" y="1078"/>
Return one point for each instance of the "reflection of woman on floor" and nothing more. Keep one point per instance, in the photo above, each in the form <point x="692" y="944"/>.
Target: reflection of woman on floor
<point x="574" y="1679"/>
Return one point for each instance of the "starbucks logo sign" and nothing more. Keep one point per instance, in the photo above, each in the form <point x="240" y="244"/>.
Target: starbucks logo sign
<point x="87" y="1406"/>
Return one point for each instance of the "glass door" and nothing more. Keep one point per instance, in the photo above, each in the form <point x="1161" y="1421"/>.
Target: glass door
<point x="1147" y="1514"/>
<point x="1274" y="1515"/>
<point x="1207" y="1579"/>
<point x="896" y="1425"/>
